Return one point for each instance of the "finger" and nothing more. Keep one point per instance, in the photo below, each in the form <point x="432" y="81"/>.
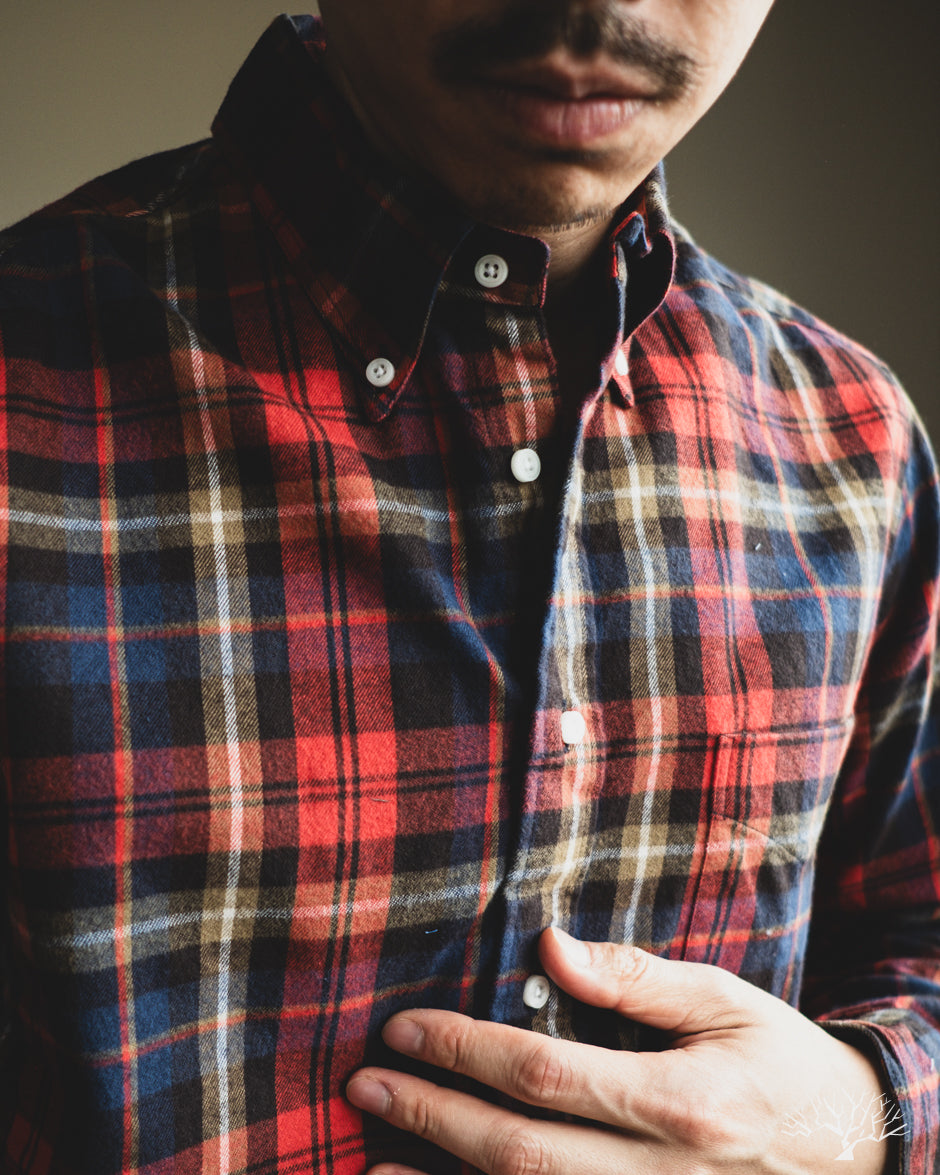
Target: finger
<point x="488" y="1137"/>
<point x="676" y="996"/>
<point x="623" y="1090"/>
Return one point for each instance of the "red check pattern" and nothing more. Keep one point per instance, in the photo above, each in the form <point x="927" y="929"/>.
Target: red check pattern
<point x="285" y="654"/>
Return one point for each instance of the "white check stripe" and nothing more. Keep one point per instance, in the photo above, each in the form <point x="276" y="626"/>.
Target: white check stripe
<point x="572" y="614"/>
<point x="235" y="792"/>
<point x="531" y="435"/>
<point x="213" y="518"/>
<point x="653" y="691"/>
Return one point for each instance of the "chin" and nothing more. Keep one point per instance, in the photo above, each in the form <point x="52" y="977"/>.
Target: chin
<point x="533" y="210"/>
<point x="550" y="192"/>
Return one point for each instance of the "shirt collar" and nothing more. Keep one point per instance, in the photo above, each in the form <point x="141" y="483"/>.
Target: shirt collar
<point x="369" y="245"/>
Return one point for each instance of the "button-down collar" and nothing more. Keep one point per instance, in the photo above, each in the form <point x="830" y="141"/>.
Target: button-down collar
<point x="367" y="244"/>
<point x="371" y="246"/>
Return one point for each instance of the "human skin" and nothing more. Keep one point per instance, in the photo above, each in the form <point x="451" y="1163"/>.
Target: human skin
<point x="424" y="77"/>
<point x="451" y="89"/>
<point x="714" y="1103"/>
<point x="529" y="124"/>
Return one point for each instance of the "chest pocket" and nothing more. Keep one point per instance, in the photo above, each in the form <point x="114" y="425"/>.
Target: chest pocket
<point x="754" y="866"/>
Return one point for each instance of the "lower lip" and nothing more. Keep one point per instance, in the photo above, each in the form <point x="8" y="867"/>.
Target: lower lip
<point x="565" y="122"/>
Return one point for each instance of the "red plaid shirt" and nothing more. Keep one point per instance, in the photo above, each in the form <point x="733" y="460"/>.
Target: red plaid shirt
<point x="313" y="710"/>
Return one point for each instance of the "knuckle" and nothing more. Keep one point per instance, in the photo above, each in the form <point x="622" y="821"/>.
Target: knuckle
<point x="628" y="965"/>
<point x="420" y="1117"/>
<point x="453" y="1049"/>
<point x="517" y="1152"/>
<point x="700" y="1122"/>
<point x="541" y="1076"/>
<point x="718" y="988"/>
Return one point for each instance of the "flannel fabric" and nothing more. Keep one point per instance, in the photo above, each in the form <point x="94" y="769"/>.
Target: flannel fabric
<point x="286" y="647"/>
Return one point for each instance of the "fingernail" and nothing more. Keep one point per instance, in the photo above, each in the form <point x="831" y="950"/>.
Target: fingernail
<point x="370" y="1095"/>
<point x="576" y="951"/>
<point x="404" y="1036"/>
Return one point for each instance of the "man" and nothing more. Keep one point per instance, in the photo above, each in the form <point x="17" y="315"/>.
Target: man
<point x="468" y="657"/>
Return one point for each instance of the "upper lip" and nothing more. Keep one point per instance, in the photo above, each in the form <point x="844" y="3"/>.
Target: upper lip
<point x="568" y="83"/>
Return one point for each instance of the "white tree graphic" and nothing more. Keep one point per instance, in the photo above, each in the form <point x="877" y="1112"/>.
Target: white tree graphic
<point x="851" y="1119"/>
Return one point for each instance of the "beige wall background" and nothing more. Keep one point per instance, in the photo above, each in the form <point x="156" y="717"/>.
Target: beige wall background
<point x="818" y="170"/>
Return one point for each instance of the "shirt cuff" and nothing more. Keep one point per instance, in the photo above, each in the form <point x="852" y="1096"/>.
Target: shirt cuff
<point x="909" y="1074"/>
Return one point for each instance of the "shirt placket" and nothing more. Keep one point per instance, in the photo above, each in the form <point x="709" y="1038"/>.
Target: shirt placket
<point x="561" y="773"/>
<point x="565" y="768"/>
<point x="566" y="759"/>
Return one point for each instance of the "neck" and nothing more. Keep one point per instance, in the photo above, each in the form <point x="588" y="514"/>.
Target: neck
<point x="577" y="288"/>
<point x="576" y="276"/>
<point x="575" y="252"/>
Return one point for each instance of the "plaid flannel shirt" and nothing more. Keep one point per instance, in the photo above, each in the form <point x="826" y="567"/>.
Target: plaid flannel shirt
<point x="287" y="647"/>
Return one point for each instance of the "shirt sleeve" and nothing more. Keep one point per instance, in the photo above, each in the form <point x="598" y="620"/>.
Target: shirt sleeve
<point x="873" y="967"/>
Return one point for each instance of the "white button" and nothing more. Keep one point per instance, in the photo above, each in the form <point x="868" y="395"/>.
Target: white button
<point x="536" y="991"/>
<point x="491" y="271"/>
<point x="380" y="373"/>
<point x="525" y="465"/>
<point x="573" y="728"/>
<point x="621" y="365"/>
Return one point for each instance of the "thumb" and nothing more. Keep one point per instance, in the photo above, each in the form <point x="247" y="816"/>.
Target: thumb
<point x="675" y="996"/>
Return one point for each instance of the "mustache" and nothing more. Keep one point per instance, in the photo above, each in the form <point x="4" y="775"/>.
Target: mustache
<point x="527" y="30"/>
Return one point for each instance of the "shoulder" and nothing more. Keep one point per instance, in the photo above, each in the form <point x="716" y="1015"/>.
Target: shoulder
<point x="83" y="281"/>
<point x="130" y="190"/>
<point x="84" y="272"/>
<point x="790" y="359"/>
<point x="119" y="198"/>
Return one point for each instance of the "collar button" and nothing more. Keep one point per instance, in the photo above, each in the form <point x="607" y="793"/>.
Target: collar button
<point x="491" y="271"/>
<point x="380" y="373"/>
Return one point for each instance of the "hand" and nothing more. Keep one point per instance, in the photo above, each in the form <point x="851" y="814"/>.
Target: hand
<point x="729" y="1096"/>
